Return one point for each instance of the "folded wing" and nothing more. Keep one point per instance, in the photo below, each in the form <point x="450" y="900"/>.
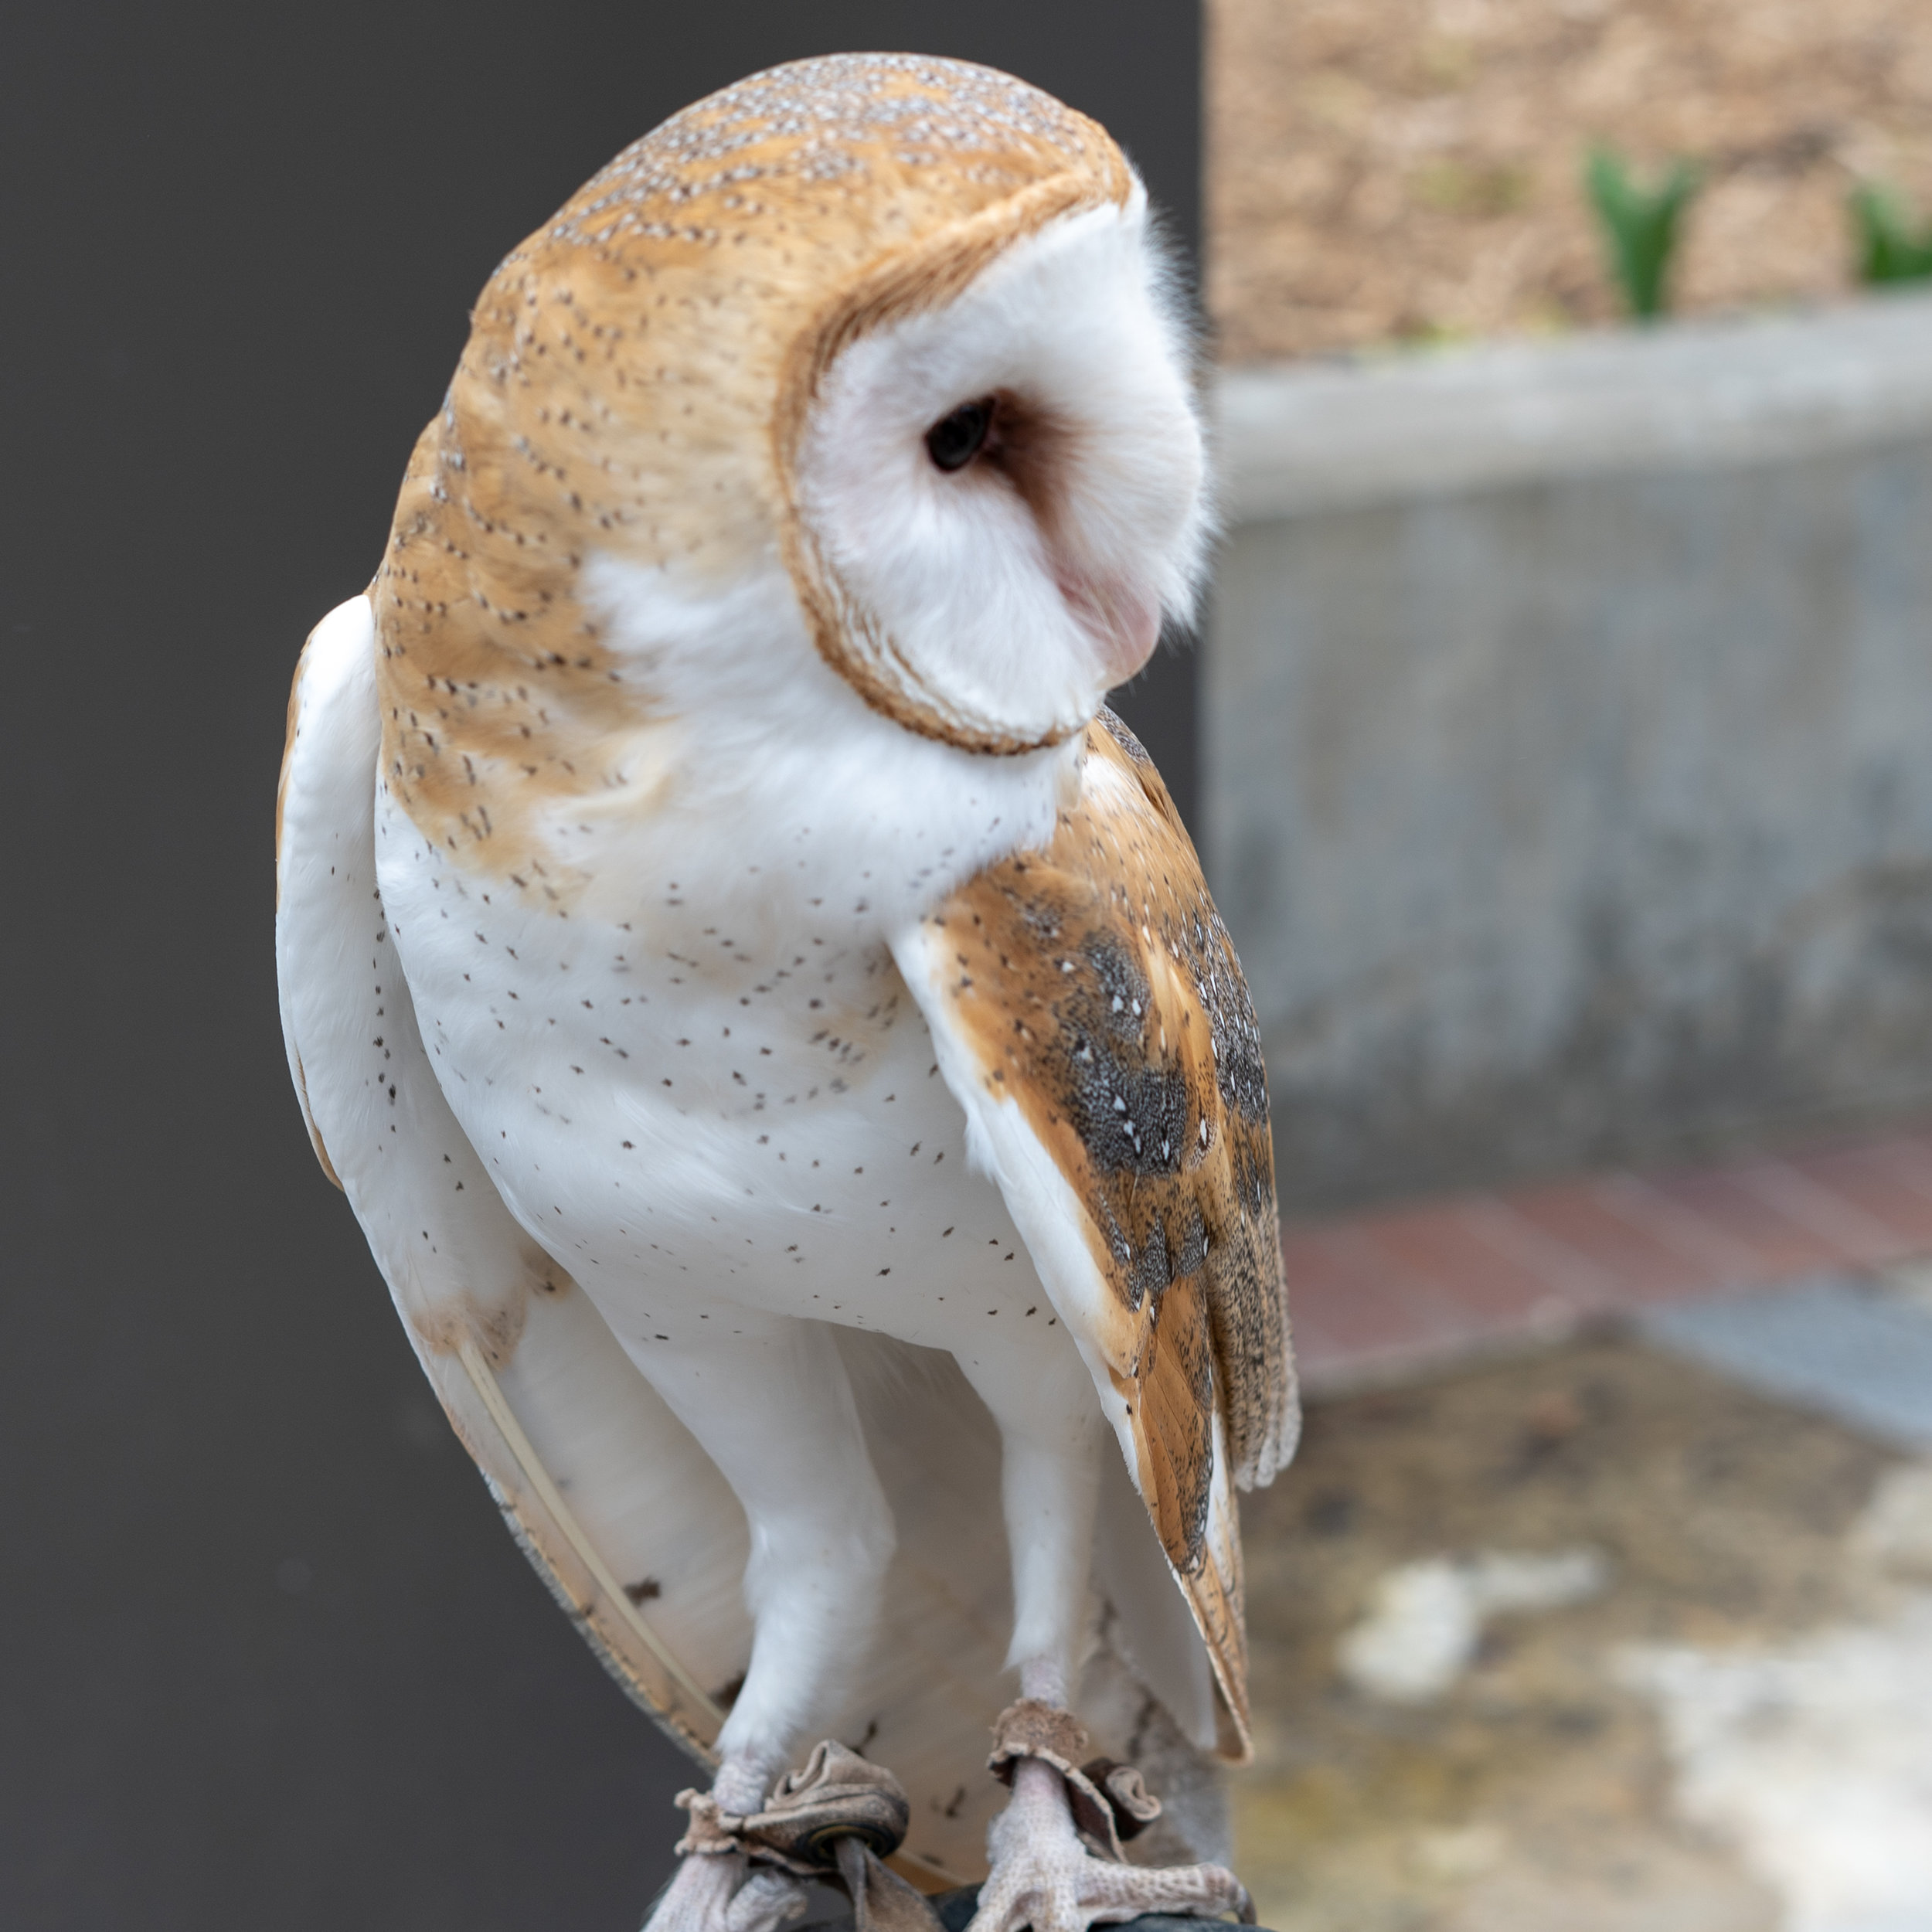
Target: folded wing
<point x="1092" y="1018"/>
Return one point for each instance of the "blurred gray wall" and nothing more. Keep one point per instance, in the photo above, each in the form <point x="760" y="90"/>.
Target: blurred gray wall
<point x="1568" y="744"/>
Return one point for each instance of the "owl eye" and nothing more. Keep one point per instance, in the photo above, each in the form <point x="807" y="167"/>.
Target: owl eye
<point x="955" y="439"/>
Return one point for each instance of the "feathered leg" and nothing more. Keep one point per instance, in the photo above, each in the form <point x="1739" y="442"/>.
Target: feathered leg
<point x="770" y="1402"/>
<point x="1042" y="1874"/>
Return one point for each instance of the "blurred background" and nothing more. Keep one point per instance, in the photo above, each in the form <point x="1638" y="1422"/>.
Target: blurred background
<point x="1565" y="709"/>
<point x="1556" y="745"/>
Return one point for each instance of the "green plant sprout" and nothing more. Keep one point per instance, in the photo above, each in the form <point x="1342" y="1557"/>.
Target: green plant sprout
<point x="1890" y="249"/>
<point x="1639" y="225"/>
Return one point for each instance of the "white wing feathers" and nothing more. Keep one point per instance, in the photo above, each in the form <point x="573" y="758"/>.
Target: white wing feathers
<point x="536" y="1387"/>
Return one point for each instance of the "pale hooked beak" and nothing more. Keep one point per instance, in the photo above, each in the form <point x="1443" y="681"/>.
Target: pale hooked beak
<point x="1122" y="623"/>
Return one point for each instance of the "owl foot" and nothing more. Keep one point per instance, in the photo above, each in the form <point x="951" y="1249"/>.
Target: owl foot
<point x="1044" y="1876"/>
<point x="831" y="1821"/>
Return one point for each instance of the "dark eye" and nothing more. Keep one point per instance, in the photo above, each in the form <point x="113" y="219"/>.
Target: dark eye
<point x="955" y="439"/>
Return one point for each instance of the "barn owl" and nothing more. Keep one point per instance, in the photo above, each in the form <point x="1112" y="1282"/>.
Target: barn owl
<point x="767" y="1015"/>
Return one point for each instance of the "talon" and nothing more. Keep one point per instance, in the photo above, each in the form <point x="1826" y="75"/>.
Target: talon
<point x="1043" y="1876"/>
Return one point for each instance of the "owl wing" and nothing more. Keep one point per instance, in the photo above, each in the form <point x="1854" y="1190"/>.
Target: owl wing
<point x="1090" y="1016"/>
<point x="610" y="1498"/>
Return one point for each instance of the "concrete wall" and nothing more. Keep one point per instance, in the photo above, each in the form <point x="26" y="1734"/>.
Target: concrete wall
<point x="1568" y="718"/>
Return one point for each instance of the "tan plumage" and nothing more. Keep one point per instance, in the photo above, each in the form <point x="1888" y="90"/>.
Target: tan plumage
<point x="636" y="377"/>
<point x="1100" y="994"/>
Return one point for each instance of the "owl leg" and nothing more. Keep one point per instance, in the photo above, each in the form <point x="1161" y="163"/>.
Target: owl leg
<point x="1052" y="1436"/>
<point x="770" y="1404"/>
<point x="1043" y="1875"/>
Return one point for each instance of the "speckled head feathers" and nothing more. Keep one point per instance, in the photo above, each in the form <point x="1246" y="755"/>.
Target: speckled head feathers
<point x="865" y="150"/>
<point x="639" y="375"/>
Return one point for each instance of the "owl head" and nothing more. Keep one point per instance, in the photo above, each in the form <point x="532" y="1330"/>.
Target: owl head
<point x="895" y="329"/>
<point x="993" y="463"/>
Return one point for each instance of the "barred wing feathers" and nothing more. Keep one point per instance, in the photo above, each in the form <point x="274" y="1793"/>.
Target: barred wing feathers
<point x="1091" y="1017"/>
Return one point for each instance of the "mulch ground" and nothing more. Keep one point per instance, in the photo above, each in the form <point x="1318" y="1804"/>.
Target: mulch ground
<point x="1537" y="1793"/>
<point x="1382" y="171"/>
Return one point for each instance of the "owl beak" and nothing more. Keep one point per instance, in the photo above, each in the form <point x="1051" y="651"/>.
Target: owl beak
<point x="1122" y="623"/>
